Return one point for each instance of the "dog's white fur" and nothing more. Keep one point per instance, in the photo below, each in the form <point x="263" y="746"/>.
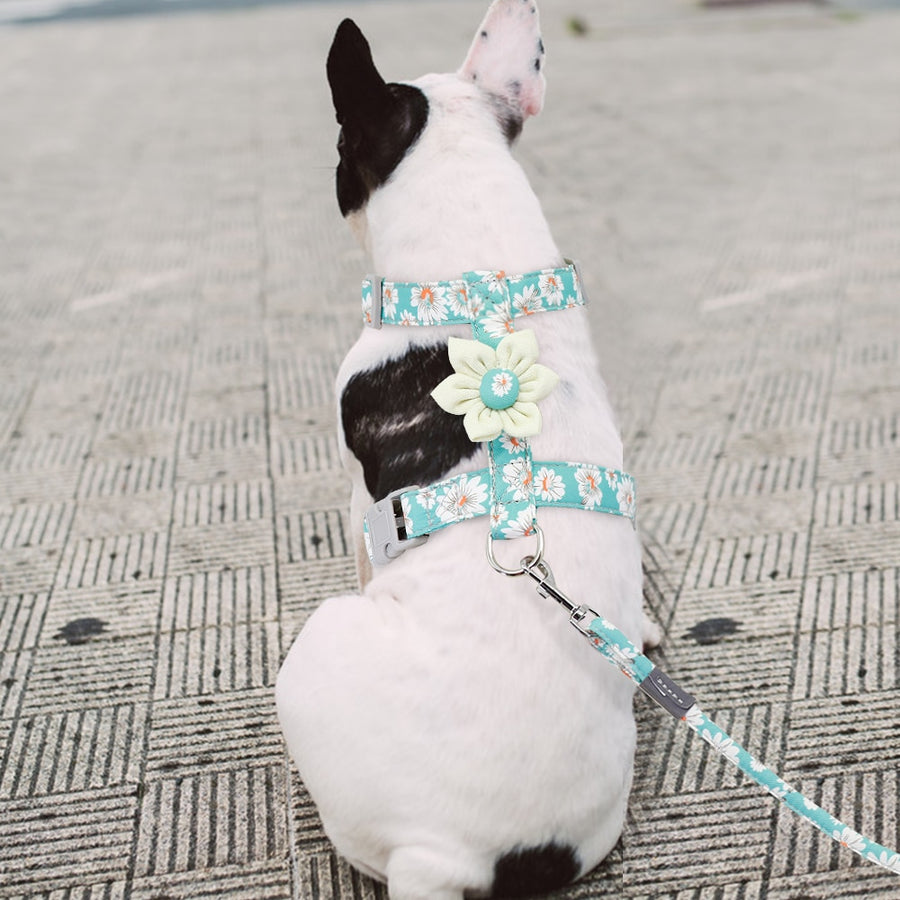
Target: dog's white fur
<point x="446" y="713"/>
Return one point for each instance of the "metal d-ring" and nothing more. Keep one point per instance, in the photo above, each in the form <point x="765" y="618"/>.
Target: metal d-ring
<point x="526" y="563"/>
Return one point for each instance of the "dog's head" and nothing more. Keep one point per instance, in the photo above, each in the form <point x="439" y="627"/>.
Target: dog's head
<point x="498" y="86"/>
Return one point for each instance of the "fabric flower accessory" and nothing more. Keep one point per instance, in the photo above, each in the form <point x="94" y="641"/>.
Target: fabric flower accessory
<point x="496" y="389"/>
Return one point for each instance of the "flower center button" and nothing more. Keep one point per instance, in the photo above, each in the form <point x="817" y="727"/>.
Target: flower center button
<point x="499" y="388"/>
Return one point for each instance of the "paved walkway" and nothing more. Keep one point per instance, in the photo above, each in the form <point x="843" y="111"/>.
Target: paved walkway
<point x="176" y="291"/>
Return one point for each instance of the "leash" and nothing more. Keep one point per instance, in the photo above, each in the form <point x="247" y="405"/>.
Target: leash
<point x="617" y="649"/>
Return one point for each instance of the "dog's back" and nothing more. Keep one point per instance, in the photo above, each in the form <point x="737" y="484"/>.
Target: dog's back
<point x="456" y="734"/>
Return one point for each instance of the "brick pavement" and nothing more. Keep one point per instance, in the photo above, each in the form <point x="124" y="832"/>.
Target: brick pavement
<point x="177" y="290"/>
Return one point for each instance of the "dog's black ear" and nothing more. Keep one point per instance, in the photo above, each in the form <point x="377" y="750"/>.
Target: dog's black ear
<point x="379" y="122"/>
<point x="357" y="89"/>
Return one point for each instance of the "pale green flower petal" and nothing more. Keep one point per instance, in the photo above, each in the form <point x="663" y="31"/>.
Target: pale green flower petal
<point x="471" y="358"/>
<point x="456" y="395"/>
<point x="537" y="382"/>
<point x="521" y="420"/>
<point x="482" y="424"/>
<point x="460" y="393"/>
<point x="518" y="351"/>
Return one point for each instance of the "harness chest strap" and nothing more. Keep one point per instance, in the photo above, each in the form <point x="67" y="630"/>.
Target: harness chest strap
<point x="404" y="518"/>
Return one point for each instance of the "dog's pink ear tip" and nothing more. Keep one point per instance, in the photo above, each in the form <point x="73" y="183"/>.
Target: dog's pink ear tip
<point x="532" y="101"/>
<point x="533" y="105"/>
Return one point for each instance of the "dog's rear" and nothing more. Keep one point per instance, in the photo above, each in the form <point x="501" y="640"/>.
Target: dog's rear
<point x="456" y="734"/>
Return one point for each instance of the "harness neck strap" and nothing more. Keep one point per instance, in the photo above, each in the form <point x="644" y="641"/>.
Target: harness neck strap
<point x="507" y="297"/>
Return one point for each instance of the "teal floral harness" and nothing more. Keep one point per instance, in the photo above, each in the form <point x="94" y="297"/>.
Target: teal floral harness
<point x="496" y="384"/>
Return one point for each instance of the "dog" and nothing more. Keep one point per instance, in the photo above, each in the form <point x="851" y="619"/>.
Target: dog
<point x="458" y="737"/>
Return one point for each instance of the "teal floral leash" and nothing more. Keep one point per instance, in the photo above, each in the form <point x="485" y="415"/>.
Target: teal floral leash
<point x="618" y="649"/>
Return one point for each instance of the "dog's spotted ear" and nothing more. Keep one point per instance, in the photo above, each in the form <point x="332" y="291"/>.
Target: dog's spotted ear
<point x="506" y="60"/>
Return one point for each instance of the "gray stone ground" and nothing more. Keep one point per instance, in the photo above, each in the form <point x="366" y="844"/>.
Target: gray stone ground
<point x="177" y="290"/>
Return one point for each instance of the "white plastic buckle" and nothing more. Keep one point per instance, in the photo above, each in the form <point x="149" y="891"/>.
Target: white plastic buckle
<point x="386" y="531"/>
<point x="375" y="281"/>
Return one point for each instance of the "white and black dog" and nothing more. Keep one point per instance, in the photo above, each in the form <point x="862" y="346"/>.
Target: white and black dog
<point x="457" y="735"/>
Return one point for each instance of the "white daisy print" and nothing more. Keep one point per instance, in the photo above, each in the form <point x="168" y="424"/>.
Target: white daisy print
<point x="886" y="859"/>
<point x="612" y="478"/>
<point x="550" y="485"/>
<point x="500" y="321"/>
<point x="521" y="526"/>
<point x="721" y="744"/>
<point x="528" y="302"/>
<point x="694" y="717"/>
<point x="756" y="765"/>
<point x="367" y="305"/>
<point x="427" y="497"/>
<point x="518" y="475"/>
<point x="407" y="318"/>
<point x="431" y="307"/>
<point x="388" y="302"/>
<point x="458" y="301"/>
<point x="551" y="288"/>
<point x="502" y="383"/>
<point x="625" y="496"/>
<point x="494" y="281"/>
<point x="474" y="305"/>
<point x="780" y="790"/>
<point x="513" y="444"/>
<point x="627" y="654"/>
<point x="589" y="485"/>
<point x="847" y="837"/>
<point x="499" y="514"/>
<point x="462" y="500"/>
<point x="407" y="513"/>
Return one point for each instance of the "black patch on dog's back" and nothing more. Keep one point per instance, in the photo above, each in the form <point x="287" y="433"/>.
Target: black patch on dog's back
<point x="394" y="427"/>
<point x="379" y="122"/>
<point x="526" y="871"/>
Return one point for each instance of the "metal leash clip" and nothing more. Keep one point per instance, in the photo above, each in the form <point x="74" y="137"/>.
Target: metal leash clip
<point x="540" y="572"/>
